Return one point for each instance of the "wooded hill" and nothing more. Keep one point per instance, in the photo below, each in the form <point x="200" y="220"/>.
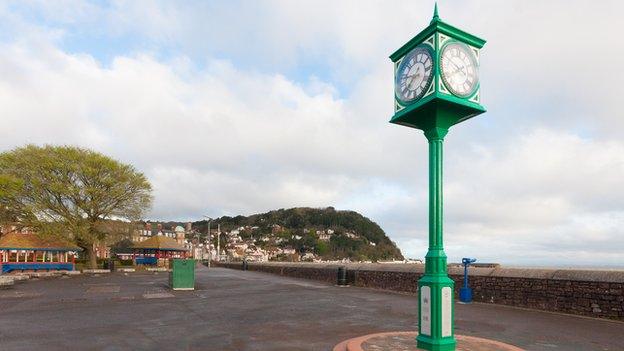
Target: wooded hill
<point x="300" y="227"/>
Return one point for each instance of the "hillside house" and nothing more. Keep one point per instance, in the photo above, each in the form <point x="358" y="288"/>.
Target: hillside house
<point x="324" y="236"/>
<point x="351" y="235"/>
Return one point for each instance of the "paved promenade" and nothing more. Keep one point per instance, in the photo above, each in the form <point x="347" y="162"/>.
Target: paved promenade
<point x="236" y="310"/>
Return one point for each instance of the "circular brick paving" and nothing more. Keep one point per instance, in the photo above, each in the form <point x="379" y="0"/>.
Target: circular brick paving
<point x="405" y="341"/>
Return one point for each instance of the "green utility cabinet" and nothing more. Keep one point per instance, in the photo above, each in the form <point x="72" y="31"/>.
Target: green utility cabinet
<point x="182" y="274"/>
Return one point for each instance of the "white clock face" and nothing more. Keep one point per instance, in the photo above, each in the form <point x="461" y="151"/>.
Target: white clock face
<point x="459" y="68"/>
<point x="414" y="75"/>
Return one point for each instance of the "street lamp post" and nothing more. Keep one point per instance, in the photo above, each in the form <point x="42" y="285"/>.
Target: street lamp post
<point x="219" y="242"/>
<point x="209" y="241"/>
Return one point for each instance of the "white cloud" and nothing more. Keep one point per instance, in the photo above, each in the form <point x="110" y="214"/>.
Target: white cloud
<point x="236" y="109"/>
<point x="541" y="194"/>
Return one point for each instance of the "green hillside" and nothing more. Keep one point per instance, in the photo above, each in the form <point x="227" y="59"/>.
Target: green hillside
<point x="352" y="236"/>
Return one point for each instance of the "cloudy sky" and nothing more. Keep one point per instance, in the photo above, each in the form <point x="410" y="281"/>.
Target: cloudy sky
<point x="238" y="107"/>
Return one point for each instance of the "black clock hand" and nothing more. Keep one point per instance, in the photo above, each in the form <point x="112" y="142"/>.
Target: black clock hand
<point x="451" y="73"/>
<point x="413" y="80"/>
<point x="408" y="82"/>
<point x="457" y="67"/>
<point x="454" y="64"/>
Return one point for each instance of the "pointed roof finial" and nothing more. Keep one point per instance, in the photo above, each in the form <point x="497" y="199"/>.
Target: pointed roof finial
<point x="435" y="13"/>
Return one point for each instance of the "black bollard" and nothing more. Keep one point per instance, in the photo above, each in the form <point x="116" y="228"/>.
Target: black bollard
<point x="342" y="276"/>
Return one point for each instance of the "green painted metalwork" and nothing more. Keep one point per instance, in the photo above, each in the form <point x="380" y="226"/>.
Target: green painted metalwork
<point x="436" y="17"/>
<point x="434" y="113"/>
<point x="182" y="275"/>
<point x="437" y="25"/>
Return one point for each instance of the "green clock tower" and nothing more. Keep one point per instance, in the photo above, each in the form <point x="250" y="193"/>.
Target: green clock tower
<point x="436" y="85"/>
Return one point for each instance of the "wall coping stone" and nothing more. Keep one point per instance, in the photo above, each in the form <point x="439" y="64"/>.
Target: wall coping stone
<point x="590" y="275"/>
<point x="95" y="271"/>
<point x="6" y="280"/>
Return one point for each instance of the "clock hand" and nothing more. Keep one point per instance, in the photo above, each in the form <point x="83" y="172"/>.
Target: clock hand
<point x="408" y="82"/>
<point x="454" y="64"/>
<point x="410" y="78"/>
<point x="414" y="79"/>
<point x="458" y="68"/>
<point x="415" y="74"/>
<point x="454" y="72"/>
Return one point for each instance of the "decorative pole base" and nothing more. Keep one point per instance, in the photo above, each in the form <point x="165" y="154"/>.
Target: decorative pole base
<point x="404" y="341"/>
<point x="436" y="313"/>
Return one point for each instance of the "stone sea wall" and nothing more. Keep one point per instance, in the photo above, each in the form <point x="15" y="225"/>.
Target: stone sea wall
<point x="590" y="293"/>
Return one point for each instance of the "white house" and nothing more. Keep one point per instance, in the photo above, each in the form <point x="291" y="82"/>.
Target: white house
<point x="288" y="251"/>
<point x="324" y="237"/>
<point x="351" y="235"/>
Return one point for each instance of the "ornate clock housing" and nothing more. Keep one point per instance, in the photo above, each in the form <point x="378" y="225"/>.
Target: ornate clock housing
<point x="459" y="69"/>
<point x="414" y="75"/>
<point x="448" y="91"/>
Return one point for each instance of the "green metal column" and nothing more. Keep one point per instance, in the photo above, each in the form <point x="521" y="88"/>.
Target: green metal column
<point x="435" y="303"/>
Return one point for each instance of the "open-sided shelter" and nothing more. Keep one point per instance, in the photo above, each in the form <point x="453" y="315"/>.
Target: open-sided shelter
<point x="29" y="251"/>
<point x="158" y="247"/>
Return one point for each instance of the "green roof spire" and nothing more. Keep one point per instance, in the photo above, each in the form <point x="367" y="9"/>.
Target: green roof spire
<point x="436" y="17"/>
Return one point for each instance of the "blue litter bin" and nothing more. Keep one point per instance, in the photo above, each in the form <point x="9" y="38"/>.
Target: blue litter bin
<point x="465" y="293"/>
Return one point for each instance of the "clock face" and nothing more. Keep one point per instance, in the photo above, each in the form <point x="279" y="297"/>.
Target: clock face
<point x="414" y="75"/>
<point x="459" y="69"/>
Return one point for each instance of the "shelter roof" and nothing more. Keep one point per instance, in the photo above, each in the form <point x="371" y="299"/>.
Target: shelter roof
<point x="27" y="241"/>
<point x="160" y="242"/>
